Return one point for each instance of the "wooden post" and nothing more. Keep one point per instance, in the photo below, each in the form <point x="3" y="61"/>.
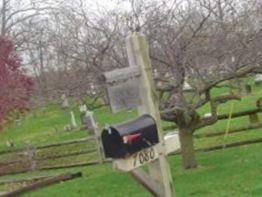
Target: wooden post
<point x="65" y="103"/>
<point x="99" y="145"/>
<point x="30" y="153"/>
<point x="33" y="160"/>
<point x="42" y="183"/>
<point x="146" y="181"/>
<point x="138" y="55"/>
<point x="93" y="126"/>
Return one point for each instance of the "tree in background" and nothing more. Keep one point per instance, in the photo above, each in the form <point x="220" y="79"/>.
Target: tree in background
<point x="203" y="43"/>
<point x="15" y="85"/>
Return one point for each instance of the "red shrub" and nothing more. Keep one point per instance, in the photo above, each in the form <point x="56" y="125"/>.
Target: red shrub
<point x="15" y="86"/>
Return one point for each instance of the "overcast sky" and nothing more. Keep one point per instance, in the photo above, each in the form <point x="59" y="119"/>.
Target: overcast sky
<point x="108" y="3"/>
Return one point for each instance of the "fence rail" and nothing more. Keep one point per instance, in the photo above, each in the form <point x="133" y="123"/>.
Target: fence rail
<point x="68" y="142"/>
<point x="37" y="158"/>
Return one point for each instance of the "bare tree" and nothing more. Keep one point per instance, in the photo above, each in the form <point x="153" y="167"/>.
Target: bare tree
<point x="203" y="43"/>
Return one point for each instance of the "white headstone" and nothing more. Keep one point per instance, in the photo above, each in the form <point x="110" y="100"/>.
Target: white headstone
<point x="159" y="84"/>
<point x="73" y="120"/>
<point x="258" y="79"/>
<point x="156" y="74"/>
<point x="83" y="108"/>
<point x="93" y="89"/>
<point x="65" y="103"/>
<point x="63" y="97"/>
<point x="187" y="87"/>
<point x="92" y="86"/>
<point x="206" y="115"/>
<point x="89" y="121"/>
<point x="172" y="142"/>
<point x="167" y="75"/>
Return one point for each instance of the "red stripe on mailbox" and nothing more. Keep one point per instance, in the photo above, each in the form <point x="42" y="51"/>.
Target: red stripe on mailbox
<point x="131" y="138"/>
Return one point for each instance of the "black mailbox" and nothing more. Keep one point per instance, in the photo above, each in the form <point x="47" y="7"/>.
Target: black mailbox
<point x="127" y="138"/>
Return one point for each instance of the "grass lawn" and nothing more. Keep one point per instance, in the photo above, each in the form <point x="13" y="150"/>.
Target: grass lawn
<point x="229" y="172"/>
<point x="232" y="172"/>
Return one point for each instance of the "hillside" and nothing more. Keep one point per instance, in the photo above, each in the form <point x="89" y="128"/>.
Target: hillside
<point x="228" y="172"/>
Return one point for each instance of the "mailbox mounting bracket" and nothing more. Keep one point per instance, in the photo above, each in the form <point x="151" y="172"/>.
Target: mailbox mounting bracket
<point x="134" y="87"/>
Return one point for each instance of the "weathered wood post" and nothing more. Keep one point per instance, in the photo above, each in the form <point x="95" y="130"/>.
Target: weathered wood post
<point x="138" y="55"/>
<point x="95" y="129"/>
<point x="83" y="110"/>
<point x="133" y="87"/>
<point x="31" y="153"/>
<point x="90" y="124"/>
<point x="33" y="160"/>
<point x="64" y="103"/>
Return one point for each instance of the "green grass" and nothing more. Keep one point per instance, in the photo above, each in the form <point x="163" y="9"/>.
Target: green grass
<point x="47" y="127"/>
<point x="229" y="172"/>
<point x="232" y="172"/>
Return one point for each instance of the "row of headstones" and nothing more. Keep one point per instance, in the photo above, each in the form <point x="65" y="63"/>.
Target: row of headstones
<point x="87" y="122"/>
<point x="187" y="86"/>
<point x="247" y="88"/>
<point x="87" y="119"/>
<point x="86" y="116"/>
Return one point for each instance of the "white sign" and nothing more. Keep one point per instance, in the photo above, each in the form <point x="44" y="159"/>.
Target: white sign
<point x="138" y="159"/>
<point x="172" y="142"/>
<point x="123" y="88"/>
<point x="258" y="78"/>
<point x="148" y="155"/>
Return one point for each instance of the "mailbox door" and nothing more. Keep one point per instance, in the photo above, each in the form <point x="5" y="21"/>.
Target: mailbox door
<point x="113" y="144"/>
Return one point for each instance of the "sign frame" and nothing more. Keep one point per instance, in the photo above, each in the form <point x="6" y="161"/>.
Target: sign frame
<point x="123" y="88"/>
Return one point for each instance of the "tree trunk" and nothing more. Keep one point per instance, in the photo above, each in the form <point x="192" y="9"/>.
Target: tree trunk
<point x="187" y="149"/>
<point x="3" y="25"/>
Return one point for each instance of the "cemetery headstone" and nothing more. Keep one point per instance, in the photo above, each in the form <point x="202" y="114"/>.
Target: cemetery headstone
<point x="73" y="120"/>
<point x="92" y="89"/>
<point x="89" y="121"/>
<point x="187" y="87"/>
<point x="83" y="110"/>
<point x="65" y="103"/>
<point x="10" y="143"/>
<point x="90" y="124"/>
<point x="258" y="79"/>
